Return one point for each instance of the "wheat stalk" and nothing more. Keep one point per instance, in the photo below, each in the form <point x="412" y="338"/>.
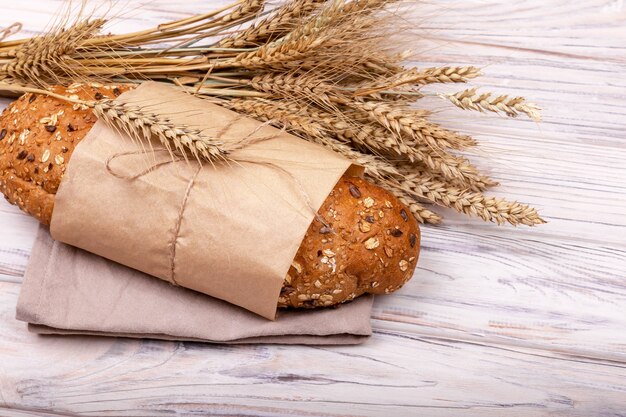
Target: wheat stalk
<point x="470" y="99"/>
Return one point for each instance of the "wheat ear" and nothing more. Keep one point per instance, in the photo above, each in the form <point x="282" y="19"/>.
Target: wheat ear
<point x="317" y="123"/>
<point x="445" y="75"/>
<point x="276" y="25"/>
<point x="244" y="11"/>
<point x="401" y="122"/>
<point x="453" y="168"/>
<point x="143" y="125"/>
<point x="45" y="58"/>
<point x="497" y="210"/>
<point x="419" y="77"/>
<point x="470" y="99"/>
<point x="398" y="119"/>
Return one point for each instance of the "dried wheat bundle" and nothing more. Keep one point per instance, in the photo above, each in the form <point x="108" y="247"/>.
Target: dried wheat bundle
<point x="323" y="69"/>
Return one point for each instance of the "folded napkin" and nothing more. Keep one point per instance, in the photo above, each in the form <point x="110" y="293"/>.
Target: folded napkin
<point x="69" y="291"/>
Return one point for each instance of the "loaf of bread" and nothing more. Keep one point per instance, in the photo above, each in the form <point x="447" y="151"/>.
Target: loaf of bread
<point x="370" y="243"/>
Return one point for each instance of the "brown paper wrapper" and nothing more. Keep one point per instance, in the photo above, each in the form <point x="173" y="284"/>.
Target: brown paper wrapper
<point x="229" y="230"/>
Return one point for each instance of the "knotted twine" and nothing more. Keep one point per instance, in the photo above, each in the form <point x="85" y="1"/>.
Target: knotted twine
<point x="175" y="159"/>
<point x="10" y="31"/>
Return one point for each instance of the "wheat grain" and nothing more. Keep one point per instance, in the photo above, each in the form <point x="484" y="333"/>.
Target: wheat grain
<point x="434" y="135"/>
<point x="281" y="57"/>
<point x="481" y="185"/>
<point x="422" y="214"/>
<point x="470" y="99"/>
<point x="296" y="87"/>
<point x="400" y="122"/>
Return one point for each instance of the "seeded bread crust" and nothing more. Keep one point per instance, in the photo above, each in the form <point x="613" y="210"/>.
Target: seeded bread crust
<point x="370" y="243"/>
<point x="37" y="137"/>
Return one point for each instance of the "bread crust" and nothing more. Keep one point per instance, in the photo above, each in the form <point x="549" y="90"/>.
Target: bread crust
<point x="370" y="244"/>
<point x="368" y="241"/>
<point x="39" y="134"/>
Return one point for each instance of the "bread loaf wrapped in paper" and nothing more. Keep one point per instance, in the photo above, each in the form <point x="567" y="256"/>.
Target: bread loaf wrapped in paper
<point x="244" y="230"/>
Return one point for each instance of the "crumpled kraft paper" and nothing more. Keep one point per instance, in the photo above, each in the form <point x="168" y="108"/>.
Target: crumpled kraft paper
<point x="229" y="230"/>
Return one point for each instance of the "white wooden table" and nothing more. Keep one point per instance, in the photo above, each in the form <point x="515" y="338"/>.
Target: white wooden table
<point x="497" y="321"/>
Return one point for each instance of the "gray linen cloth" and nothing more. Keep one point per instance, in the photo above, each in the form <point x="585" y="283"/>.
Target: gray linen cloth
<point x="69" y="291"/>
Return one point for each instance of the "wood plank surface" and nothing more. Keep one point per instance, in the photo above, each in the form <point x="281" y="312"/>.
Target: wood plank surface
<point x="396" y="372"/>
<point x="496" y="321"/>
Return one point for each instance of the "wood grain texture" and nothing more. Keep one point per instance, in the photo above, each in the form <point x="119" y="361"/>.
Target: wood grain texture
<point x="523" y="322"/>
<point x="396" y="372"/>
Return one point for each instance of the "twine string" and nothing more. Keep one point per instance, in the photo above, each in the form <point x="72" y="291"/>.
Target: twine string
<point x="181" y="211"/>
<point x="151" y="168"/>
<point x="302" y="191"/>
<point x="179" y="222"/>
<point x="10" y="30"/>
